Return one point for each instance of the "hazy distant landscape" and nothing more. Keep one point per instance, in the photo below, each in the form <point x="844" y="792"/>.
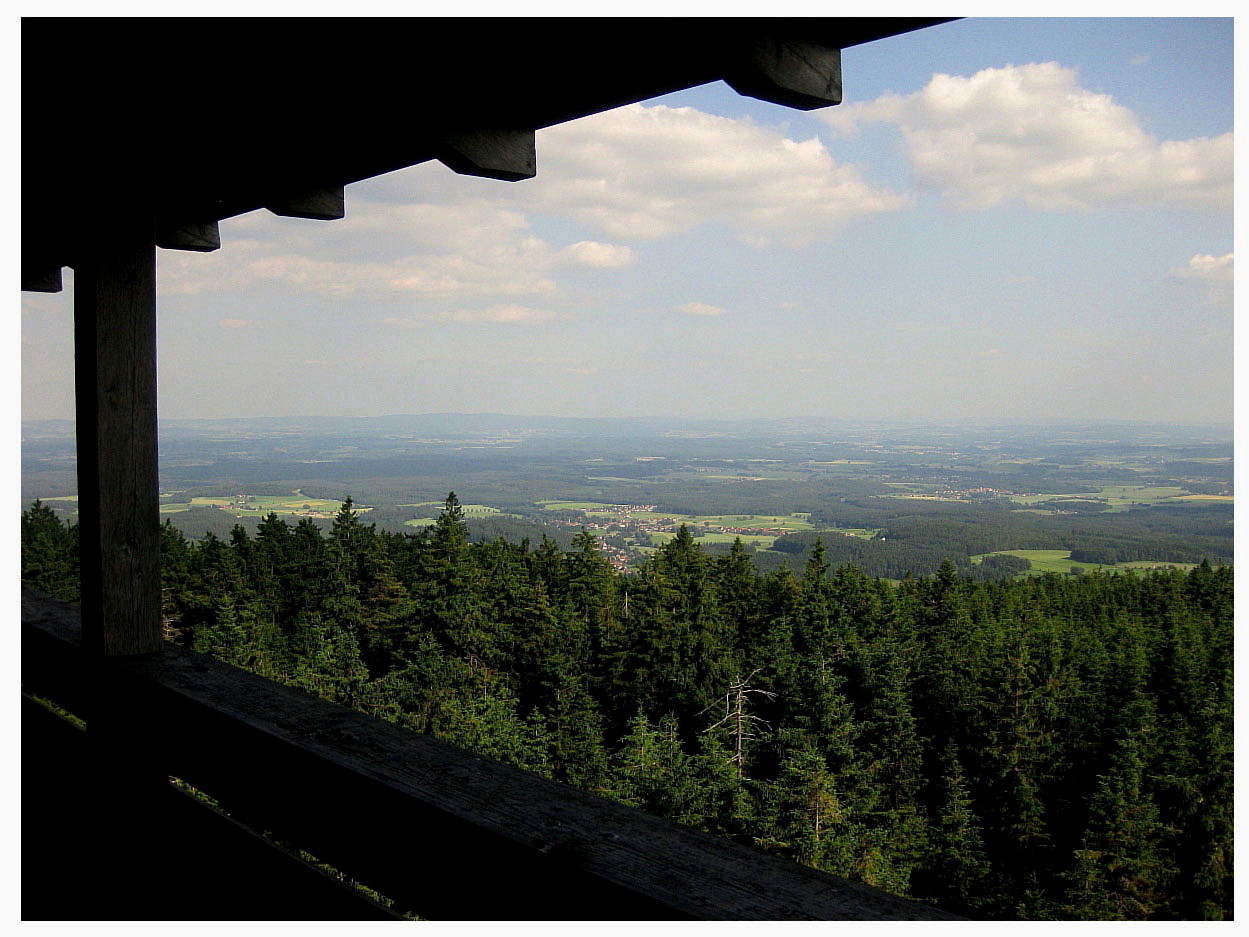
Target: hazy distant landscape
<point x="891" y="498"/>
<point x="985" y="667"/>
<point x="963" y="631"/>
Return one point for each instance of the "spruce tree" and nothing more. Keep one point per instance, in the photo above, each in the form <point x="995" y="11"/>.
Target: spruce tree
<point x="955" y="873"/>
<point x="1118" y="872"/>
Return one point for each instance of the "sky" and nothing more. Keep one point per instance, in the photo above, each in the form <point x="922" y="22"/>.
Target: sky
<point x="1006" y="219"/>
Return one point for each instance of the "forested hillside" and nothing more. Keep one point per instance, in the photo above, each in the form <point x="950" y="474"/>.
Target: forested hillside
<point x="1048" y="748"/>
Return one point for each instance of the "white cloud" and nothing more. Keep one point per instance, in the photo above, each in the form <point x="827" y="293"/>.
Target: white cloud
<point x="648" y="172"/>
<point x="436" y="251"/>
<point x="1141" y="58"/>
<point x="1031" y="134"/>
<point x="235" y="323"/>
<point x="641" y="172"/>
<point x="594" y="254"/>
<point x="632" y="173"/>
<point x="700" y="309"/>
<point x="1208" y="268"/>
<point x="504" y="313"/>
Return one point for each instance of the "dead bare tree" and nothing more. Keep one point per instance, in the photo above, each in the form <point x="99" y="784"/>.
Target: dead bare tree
<point x="741" y="723"/>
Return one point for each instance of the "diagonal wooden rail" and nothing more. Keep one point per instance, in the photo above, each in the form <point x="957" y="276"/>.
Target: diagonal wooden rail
<point x="418" y="820"/>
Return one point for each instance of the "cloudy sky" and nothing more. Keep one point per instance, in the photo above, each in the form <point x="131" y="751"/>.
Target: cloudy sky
<point x="1006" y="219"/>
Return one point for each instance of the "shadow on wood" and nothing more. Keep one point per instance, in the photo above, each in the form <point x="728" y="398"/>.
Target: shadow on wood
<point x="410" y="816"/>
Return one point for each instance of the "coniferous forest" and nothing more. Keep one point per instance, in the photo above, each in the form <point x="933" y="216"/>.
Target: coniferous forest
<point x="1044" y="748"/>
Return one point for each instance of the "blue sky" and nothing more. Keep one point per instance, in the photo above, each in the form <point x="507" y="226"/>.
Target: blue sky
<point x="1006" y="219"/>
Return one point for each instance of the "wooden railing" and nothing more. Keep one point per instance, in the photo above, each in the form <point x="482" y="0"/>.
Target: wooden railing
<point x="437" y="831"/>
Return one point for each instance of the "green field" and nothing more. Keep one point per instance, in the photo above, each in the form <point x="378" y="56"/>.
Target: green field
<point x="1156" y="564"/>
<point x="759" y="541"/>
<point x="1119" y="497"/>
<point x="782" y="522"/>
<point x="1043" y="561"/>
<point x="863" y="533"/>
<point x="572" y="505"/>
<point x="470" y="510"/>
<point x="263" y="505"/>
<point x="703" y="525"/>
<point x="1138" y="494"/>
<point x="1059" y="561"/>
<point x="599" y="509"/>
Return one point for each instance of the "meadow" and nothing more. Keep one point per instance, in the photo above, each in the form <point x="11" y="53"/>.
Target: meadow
<point x="295" y="503"/>
<point x="470" y="510"/>
<point x="1120" y="497"/>
<point x="1059" y="561"/>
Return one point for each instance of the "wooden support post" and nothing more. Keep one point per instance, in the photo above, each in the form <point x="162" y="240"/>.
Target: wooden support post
<point x="118" y="495"/>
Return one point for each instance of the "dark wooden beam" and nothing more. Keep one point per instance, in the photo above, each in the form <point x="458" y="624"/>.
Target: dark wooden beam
<point x="202" y="236"/>
<point x="176" y="859"/>
<point x="115" y="388"/>
<point x="509" y="155"/>
<point x="793" y="72"/>
<point x="41" y="281"/>
<point x="446" y="74"/>
<point x="324" y="204"/>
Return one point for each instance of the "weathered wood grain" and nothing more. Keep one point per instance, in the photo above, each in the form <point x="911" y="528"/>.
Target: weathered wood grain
<point x="509" y="155"/>
<point x="794" y="72"/>
<point x="115" y="403"/>
<point x="164" y="861"/>
<point x="319" y="204"/>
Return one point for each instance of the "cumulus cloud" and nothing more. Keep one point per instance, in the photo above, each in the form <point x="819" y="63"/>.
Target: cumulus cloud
<point x="235" y="323"/>
<point x="1031" y="134"/>
<point x="700" y="309"/>
<point x="628" y="174"/>
<point x="641" y="172"/>
<point x="502" y="313"/>
<point x="435" y="251"/>
<point x="594" y="254"/>
<point x="444" y="252"/>
<point x="1208" y="268"/>
<point x="647" y="172"/>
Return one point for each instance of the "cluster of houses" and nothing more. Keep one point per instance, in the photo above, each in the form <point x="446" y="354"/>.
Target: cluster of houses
<point x="612" y="533"/>
<point x="981" y="493"/>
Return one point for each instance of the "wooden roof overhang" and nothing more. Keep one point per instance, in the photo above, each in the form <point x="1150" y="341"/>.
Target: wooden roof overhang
<point x="130" y="143"/>
<point x="214" y="118"/>
<point x="139" y="135"/>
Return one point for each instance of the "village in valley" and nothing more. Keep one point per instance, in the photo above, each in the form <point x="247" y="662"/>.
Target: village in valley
<point x="627" y="532"/>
